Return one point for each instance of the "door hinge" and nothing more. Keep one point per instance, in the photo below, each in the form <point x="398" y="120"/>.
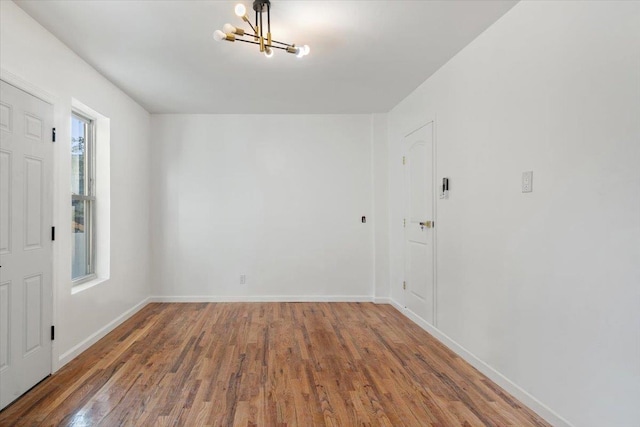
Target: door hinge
<point x="404" y="222"/>
<point x="53" y="135"/>
<point x="404" y="285"/>
<point x="404" y="160"/>
<point x="53" y="233"/>
<point x="53" y="332"/>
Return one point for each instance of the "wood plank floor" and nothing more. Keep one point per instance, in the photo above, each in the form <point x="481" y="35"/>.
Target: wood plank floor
<point x="268" y="364"/>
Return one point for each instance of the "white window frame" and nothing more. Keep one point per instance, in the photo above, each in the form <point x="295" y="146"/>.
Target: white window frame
<point x="90" y="197"/>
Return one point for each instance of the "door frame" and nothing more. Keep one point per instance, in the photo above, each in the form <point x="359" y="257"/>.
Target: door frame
<point x="33" y="90"/>
<point x="435" y="193"/>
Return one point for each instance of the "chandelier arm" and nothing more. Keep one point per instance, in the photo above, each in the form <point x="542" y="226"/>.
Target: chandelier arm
<point x="269" y="18"/>
<point x="251" y="25"/>
<point x="250" y="42"/>
<point x="286" y="44"/>
<point x="269" y="24"/>
<point x="246" y="33"/>
<point x="262" y="49"/>
<point x="272" y="41"/>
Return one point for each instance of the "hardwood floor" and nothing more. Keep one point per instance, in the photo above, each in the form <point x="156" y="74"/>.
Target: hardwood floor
<point x="268" y="364"/>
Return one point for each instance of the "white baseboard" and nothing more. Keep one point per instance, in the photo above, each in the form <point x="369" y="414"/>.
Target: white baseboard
<point x="263" y="298"/>
<point x="69" y="355"/>
<point x="382" y="300"/>
<point x="531" y="402"/>
<point x="397" y="305"/>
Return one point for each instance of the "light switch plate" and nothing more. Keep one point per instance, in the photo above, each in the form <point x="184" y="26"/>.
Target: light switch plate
<point x="527" y="182"/>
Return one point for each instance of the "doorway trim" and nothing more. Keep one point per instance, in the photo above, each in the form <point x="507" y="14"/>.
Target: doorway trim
<point x="36" y="91"/>
<point x="435" y="193"/>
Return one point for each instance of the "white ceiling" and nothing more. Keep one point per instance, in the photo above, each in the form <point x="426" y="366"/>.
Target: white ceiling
<point x="366" y="56"/>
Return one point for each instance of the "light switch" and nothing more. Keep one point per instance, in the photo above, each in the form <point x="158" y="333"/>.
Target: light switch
<point x="444" y="190"/>
<point x="527" y="182"/>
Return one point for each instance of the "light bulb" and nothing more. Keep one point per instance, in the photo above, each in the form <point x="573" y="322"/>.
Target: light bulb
<point x="300" y="51"/>
<point x="219" y="35"/>
<point x="306" y="49"/>
<point x="268" y="52"/>
<point x="228" y="28"/>
<point x="240" y="10"/>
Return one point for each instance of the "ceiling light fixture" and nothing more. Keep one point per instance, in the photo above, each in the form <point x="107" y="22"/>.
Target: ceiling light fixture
<point x="231" y="33"/>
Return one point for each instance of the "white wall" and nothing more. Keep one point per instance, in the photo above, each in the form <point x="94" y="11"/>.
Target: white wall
<point x="278" y="198"/>
<point x="545" y="286"/>
<point x="380" y="180"/>
<point x="31" y="53"/>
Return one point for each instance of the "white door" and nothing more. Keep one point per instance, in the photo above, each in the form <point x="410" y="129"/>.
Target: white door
<point x="418" y="227"/>
<point x="26" y="154"/>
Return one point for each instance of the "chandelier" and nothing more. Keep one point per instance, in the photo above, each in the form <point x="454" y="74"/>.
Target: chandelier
<point x="267" y="45"/>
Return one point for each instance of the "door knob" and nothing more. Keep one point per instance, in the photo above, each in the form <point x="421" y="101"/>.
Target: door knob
<point x="427" y="224"/>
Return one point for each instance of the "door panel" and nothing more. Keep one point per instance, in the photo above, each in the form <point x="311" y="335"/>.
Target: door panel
<point x="25" y="248"/>
<point x="33" y="311"/>
<point x="5" y="316"/>
<point x="33" y="206"/>
<point x="419" y="239"/>
<point x="6" y="117"/>
<point x="33" y="127"/>
<point x="5" y="202"/>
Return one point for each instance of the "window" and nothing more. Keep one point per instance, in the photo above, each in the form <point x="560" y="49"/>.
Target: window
<point x="83" y="198"/>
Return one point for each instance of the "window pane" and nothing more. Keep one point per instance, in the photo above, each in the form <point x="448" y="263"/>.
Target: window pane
<point x="81" y="238"/>
<point x="82" y="199"/>
<point x="79" y="157"/>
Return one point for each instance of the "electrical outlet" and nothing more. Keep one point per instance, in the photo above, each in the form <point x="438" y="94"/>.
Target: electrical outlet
<point x="243" y="279"/>
<point x="527" y="182"/>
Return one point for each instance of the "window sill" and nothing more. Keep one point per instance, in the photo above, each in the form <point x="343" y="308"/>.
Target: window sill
<point x="86" y="285"/>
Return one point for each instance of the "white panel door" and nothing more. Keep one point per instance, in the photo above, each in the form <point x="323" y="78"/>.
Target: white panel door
<point x="26" y="153"/>
<point x="418" y="231"/>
